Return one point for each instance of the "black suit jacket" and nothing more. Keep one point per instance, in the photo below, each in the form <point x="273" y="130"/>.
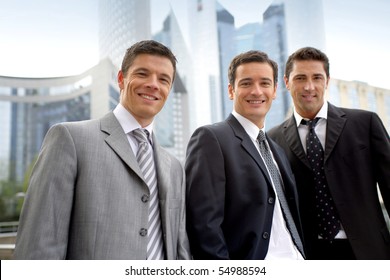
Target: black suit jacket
<point x="230" y="200"/>
<point x="357" y="157"/>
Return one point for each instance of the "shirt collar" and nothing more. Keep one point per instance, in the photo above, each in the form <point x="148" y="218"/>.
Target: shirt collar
<point x="323" y="113"/>
<point x="127" y="121"/>
<point x="250" y="128"/>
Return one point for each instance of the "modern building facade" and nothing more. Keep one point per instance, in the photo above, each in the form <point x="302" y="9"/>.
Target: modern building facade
<point x="204" y="49"/>
<point x="30" y="106"/>
<point x="227" y="50"/>
<point x="360" y="95"/>
<point x="121" y="24"/>
<point x="275" y="44"/>
<point x="305" y="24"/>
<point x="249" y="37"/>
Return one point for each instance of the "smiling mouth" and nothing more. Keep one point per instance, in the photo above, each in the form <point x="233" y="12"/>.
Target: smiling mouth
<point x="309" y="96"/>
<point x="256" y="101"/>
<point x="148" y="97"/>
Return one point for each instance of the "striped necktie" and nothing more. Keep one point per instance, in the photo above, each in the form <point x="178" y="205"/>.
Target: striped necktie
<point x="145" y="160"/>
<point x="278" y="184"/>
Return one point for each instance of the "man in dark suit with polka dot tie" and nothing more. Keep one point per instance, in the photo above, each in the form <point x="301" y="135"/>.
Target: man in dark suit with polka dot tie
<point x="339" y="158"/>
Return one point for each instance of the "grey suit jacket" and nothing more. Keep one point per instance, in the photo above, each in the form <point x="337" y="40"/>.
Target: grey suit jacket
<point x="86" y="198"/>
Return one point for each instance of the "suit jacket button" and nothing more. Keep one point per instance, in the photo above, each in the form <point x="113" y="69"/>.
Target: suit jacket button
<point x="143" y="232"/>
<point x="271" y="200"/>
<point x="265" y="235"/>
<point x="145" y="198"/>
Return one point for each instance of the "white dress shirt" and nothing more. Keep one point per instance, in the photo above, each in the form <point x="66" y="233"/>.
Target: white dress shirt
<point x="281" y="245"/>
<point x="129" y="123"/>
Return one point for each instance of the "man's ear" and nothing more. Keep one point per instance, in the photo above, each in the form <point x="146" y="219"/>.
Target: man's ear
<point x="275" y="91"/>
<point x="327" y="82"/>
<point x="231" y="91"/>
<point x="286" y="81"/>
<point x="120" y="80"/>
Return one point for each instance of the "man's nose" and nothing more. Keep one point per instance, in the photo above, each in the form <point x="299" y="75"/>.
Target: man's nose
<point x="309" y="85"/>
<point x="257" y="89"/>
<point x="152" y="82"/>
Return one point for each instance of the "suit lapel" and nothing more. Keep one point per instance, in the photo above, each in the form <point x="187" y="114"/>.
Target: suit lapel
<point x="247" y="144"/>
<point x="117" y="140"/>
<point x="281" y="165"/>
<point x="163" y="166"/>
<point x="291" y="135"/>
<point x="335" y="124"/>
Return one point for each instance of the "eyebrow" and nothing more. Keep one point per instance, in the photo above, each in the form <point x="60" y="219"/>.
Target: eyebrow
<point x="245" y="80"/>
<point x="251" y="79"/>
<point x="267" y="79"/>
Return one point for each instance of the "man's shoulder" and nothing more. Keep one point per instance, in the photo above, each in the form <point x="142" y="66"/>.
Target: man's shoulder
<point x="107" y="118"/>
<point x="214" y="128"/>
<point x="80" y="124"/>
<point x="277" y="130"/>
<point x="350" y="112"/>
<point x="76" y="127"/>
<point x="84" y="127"/>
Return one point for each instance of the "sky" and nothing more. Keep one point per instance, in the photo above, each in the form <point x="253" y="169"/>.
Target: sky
<point x="45" y="38"/>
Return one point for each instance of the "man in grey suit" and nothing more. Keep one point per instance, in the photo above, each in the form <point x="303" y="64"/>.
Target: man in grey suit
<point x="355" y="161"/>
<point x="88" y="197"/>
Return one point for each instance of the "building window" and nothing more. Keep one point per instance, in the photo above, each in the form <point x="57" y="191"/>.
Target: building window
<point x="353" y="98"/>
<point x="371" y="101"/>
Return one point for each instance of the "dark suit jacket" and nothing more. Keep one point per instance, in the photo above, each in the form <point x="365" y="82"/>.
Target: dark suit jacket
<point x="230" y="200"/>
<point x="357" y="157"/>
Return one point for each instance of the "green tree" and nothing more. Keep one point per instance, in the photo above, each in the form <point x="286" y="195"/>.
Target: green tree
<point x="12" y="196"/>
<point x="8" y="200"/>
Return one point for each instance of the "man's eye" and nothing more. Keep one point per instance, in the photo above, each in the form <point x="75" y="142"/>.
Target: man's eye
<point x="266" y="84"/>
<point x="164" y="81"/>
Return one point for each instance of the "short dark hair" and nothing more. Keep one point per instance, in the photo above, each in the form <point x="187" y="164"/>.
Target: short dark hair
<point x="147" y="47"/>
<point x="307" y="53"/>
<point x="247" y="57"/>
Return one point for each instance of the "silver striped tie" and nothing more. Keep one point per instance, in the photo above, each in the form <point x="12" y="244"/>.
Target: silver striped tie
<point x="145" y="160"/>
<point x="278" y="184"/>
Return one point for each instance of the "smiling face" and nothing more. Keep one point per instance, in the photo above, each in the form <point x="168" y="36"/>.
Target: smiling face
<point x="145" y="87"/>
<point x="253" y="91"/>
<point x="307" y="84"/>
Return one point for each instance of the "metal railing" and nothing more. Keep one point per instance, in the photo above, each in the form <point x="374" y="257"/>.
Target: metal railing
<point x="9" y="227"/>
<point x="7" y="245"/>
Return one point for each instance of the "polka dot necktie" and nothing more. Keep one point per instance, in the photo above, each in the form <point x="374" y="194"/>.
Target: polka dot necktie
<point x="328" y="221"/>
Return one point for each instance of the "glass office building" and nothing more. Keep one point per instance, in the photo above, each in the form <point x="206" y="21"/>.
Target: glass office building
<point x="30" y="106"/>
<point x="121" y="24"/>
